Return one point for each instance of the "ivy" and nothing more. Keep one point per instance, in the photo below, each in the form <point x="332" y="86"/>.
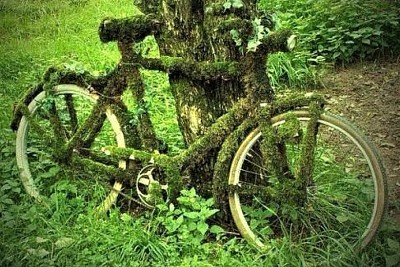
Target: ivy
<point x="233" y="4"/>
<point x="259" y="32"/>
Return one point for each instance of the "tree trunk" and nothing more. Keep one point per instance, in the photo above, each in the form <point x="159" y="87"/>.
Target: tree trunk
<point x="195" y="31"/>
<point x="192" y="32"/>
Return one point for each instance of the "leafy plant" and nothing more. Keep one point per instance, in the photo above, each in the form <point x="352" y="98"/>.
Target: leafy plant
<point x="64" y="234"/>
<point x="233" y="4"/>
<point x="341" y="31"/>
<point x="298" y="69"/>
<point x="187" y="223"/>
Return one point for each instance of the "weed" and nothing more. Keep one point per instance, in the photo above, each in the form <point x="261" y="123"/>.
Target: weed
<point x="341" y="31"/>
<point x="36" y="34"/>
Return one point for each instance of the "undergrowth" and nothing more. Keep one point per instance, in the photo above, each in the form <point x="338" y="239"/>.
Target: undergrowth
<point x="331" y="32"/>
<point x="341" y="31"/>
<point x="66" y="232"/>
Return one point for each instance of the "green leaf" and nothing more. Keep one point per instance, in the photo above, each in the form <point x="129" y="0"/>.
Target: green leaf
<point x="38" y="252"/>
<point x="192" y="226"/>
<point x="202" y="227"/>
<point x="63" y="242"/>
<point x="355" y="35"/>
<point x="366" y="41"/>
<point x="237" y="3"/>
<point x="171" y="207"/>
<point x="216" y="229"/>
<point x="393" y="244"/>
<point x="210" y="213"/>
<point x="179" y="221"/>
<point x="5" y="187"/>
<point x="336" y="55"/>
<point x="162" y="207"/>
<point x="392" y="260"/>
<point x="41" y="240"/>
<point x="191" y="215"/>
<point x="342" y="218"/>
<point x="236" y="37"/>
<point x="227" y="5"/>
<point x="126" y="217"/>
<point x="7" y="201"/>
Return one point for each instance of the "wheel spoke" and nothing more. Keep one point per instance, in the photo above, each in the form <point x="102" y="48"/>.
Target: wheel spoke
<point x="94" y="130"/>
<point x="81" y="135"/>
<point x="59" y="130"/>
<point x="251" y="189"/>
<point x="344" y="193"/>
<point x="307" y="153"/>
<point x="61" y="119"/>
<point x="69" y="100"/>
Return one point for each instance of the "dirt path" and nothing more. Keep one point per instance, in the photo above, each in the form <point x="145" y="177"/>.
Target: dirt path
<point x="369" y="94"/>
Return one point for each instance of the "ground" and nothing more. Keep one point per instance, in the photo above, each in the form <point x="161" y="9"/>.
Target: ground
<point x="369" y="94"/>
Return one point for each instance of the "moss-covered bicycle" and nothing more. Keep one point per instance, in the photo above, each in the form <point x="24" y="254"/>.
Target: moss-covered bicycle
<point x="283" y="164"/>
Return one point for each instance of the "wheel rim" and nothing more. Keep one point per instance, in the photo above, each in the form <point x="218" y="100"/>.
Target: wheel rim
<point x="25" y="140"/>
<point x="245" y="222"/>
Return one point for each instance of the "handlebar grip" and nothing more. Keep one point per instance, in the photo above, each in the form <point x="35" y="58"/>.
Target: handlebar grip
<point x="128" y="29"/>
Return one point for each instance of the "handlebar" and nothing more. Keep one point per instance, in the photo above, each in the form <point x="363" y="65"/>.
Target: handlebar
<point x="128" y="30"/>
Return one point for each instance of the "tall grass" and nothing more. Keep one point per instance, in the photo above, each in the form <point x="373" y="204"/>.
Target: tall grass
<point x="36" y="34"/>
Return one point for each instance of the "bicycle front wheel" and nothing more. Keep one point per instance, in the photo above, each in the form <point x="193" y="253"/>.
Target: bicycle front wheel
<point x="50" y="121"/>
<point x="343" y="203"/>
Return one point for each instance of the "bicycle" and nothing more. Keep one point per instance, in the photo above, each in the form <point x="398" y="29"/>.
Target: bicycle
<point x="279" y="160"/>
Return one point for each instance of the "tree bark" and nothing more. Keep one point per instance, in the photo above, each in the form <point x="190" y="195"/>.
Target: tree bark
<point x="199" y="30"/>
<point x="192" y="31"/>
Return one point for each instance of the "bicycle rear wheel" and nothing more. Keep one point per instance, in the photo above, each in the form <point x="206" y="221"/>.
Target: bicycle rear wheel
<point x="345" y="201"/>
<point x="56" y="116"/>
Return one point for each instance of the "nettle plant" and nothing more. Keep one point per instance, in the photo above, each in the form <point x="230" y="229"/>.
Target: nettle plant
<point x="340" y="31"/>
<point x="187" y="222"/>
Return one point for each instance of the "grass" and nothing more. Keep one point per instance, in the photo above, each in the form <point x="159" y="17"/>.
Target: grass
<point x="36" y="34"/>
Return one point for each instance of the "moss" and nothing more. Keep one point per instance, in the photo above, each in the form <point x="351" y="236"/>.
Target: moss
<point x="170" y="165"/>
<point x="24" y="111"/>
<point x="195" y="71"/>
<point x="217" y="133"/>
<point x="306" y="158"/>
<point x="218" y="10"/>
<point x="255" y="81"/>
<point x="293" y="100"/>
<point x="53" y="76"/>
<point x="224" y="159"/>
<point x="21" y="107"/>
<point x="172" y="168"/>
<point x="154" y="193"/>
<point x="276" y="41"/>
<point x="91" y="169"/>
<point x="195" y="82"/>
<point x="291" y="186"/>
<point x="235" y="23"/>
<point x="129" y="30"/>
<point x="130" y="130"/>
<point x="145" y="128"/>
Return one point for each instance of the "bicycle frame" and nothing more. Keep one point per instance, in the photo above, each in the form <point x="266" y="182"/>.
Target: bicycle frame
<point x="143" y="144"/>
<point x="241" y="117"/>
<point x="259" y="125"/>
